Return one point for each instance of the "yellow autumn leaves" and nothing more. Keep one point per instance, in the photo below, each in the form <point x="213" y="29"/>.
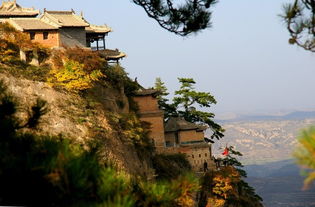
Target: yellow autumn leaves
<point x="73" y="77"/>
<point x="76" y="69"/>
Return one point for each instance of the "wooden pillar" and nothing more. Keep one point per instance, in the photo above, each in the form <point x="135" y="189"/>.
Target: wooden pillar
<point x="104" y="42"/>
<point x="97" y="44"/>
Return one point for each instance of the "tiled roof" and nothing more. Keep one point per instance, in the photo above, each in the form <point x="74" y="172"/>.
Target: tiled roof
<point x="112" y="54"/>
<point x="178" y="124"/>
<point x="145" y="92"/>
<point x="65" y="18"/>
<point x="25" y="24"/>
<point x="12" y="9"/>
<point x="98" y="29"/>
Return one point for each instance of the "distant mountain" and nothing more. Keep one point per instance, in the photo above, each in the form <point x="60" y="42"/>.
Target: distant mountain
<point x="280" y="184"/>
<point x="290" y="116"/>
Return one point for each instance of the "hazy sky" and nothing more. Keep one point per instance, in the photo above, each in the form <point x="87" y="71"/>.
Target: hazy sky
<point x="244" y="60"/>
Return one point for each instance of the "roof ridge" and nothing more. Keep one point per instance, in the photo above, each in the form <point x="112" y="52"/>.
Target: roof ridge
<point x="59" y="12"/>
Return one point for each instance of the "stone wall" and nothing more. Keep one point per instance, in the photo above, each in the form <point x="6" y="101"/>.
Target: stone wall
<point x="73" y="36"/>
<point x="196" y="155"/>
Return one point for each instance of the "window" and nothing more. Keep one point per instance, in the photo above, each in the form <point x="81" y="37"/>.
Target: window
<point x="192" y="156"/>
<point x="199" y="155"/>
<point x="45" y="35"/>
<point x="205" y="154"/>
<point x="32" y="35"/>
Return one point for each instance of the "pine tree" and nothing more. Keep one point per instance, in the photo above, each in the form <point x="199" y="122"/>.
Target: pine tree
<point x="186" y="103"/>
<point x="299" y="18"/>
<point x="181" y="19"/>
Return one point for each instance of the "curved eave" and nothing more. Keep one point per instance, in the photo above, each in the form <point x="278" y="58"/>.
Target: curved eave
<point x="115" y="57"/>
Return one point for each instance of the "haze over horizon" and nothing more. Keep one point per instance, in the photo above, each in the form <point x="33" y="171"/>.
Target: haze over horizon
<point x="244" y="60"/>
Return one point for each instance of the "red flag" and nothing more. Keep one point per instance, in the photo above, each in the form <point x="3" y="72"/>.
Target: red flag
<point x="226" y="152"/>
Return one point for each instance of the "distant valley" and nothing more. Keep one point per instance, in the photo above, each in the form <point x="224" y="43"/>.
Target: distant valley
<point x="267" y="143"/>
<point x="280" y="184"/>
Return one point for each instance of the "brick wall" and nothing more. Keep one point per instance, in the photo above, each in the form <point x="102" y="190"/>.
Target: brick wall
<point x="147" y="103"/>
<point x="53" y="39"/>
<point x="190" y="135"/>
<point x="170" y="139"/>
<point x="157" y="129"/>
<point x="149" y="111"/>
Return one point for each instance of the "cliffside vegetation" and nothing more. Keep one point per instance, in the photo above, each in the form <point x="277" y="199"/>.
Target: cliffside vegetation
<point x="226" y="186"/>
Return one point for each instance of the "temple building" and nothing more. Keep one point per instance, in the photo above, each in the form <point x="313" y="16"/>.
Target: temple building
<point x="150" y="112"/>
<point x="185" y="137"/>
<point x="175" y="136"/>
<point x="57" y="29"/>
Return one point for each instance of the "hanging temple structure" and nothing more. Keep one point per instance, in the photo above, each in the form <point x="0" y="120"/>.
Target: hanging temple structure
<point x="57" y="29"/>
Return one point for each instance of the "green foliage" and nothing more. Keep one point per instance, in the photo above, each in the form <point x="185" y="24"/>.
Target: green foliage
<point x="300" y="22"/>
<point x="181" y="19"/>
<point x="169" y="109"/>
<point x="117" y="76"/>
<point x="185" y="104"/>
<point x="231" y="160"/>
<point x="170" y="166"/>
<point x="305" y="154"/>
<point x="175" y="193"/>
<point x="134" y="131"/>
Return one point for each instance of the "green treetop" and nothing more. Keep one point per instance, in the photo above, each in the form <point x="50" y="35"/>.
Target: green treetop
<point x="186" y="103"/>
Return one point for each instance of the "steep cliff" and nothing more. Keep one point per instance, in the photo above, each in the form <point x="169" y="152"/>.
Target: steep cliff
<point x="83" y="118"/>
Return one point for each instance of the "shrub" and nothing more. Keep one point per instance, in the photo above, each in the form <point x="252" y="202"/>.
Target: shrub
<point x="9" y="52"/>
<point x="176" y="193"/>
<point x="116" y="75"/>
<point x="170" y="166"/>
<point x="76" y="69"/>
<point x="73" y="76"/>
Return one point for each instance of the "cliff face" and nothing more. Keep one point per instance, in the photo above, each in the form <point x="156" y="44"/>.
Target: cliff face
<point x="83" y="118"/>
